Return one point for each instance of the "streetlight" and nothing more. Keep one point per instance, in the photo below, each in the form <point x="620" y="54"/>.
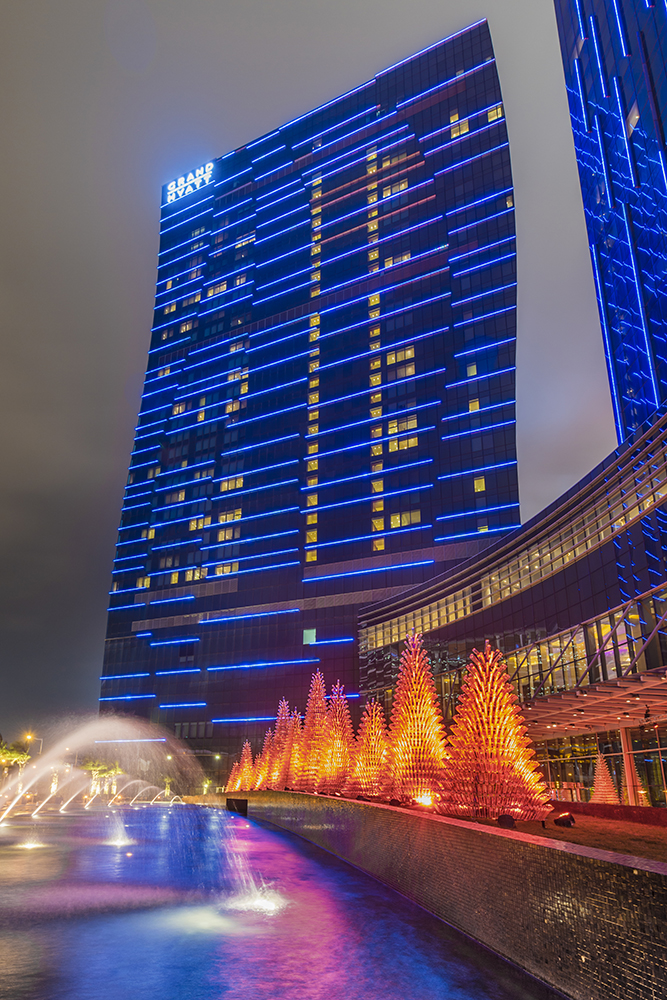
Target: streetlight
<point x="30" y="736"/>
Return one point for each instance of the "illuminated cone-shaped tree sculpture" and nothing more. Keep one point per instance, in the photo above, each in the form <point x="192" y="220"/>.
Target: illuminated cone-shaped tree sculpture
<point x="417" y="732"/>
<point x="337" y="755"/>
<point x="294" y="752"/>
<point x="246" y="778"/>
<point x="263" y="762"/>
<point x="604" y="789"/>
<point x="233" y="780"/>
<point x="490" y="770"/>
<point x="277" y="776"/>
<point x="314" y="735"/>
<point x="370" y="775"/>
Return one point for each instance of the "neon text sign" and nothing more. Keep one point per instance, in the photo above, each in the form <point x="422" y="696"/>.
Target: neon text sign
<point x="189" y="184"/>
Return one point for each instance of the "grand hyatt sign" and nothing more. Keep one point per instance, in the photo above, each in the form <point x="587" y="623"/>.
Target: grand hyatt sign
<point x="190" y="183"/>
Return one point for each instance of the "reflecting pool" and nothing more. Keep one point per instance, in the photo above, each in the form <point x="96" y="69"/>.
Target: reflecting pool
<point x="190" y="903"/>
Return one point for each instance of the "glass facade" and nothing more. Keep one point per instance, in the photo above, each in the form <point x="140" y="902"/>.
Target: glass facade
<point x="328" y="411"/>
<point x="614" y="56"/>
<point x="577" y="601"/>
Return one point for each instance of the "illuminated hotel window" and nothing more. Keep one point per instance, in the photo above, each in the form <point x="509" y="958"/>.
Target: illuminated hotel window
<point x="374" y="380"/>
<point x="376" y="449"/>
<point x="377" y="486"/>
<point x="375" y="411"/>
<point x="148" y="533"/>
<point x="312" y="481"/>
<point x="227" y="534"/>
<point x="377" y="524"/>
<point x="311" y="518"/>
<point x="402" y="355"/>
<point x="375" y="363"/>
<point x="176" y="497"/>
<point x="178" y="408"/>
<point x="473" y="404"/>
<point x="378" y="545"/>
<point x="480" y="484"/>
<point x="376" y="432"/>
<point x="314" y="334"/>
<point x="311" y="537"/>
<point x="495" y="113"/>
<point x="144" y="581"/>
<point x="377" y="466"/>
<point x="404" y="518"/>
<point x="311" y="501"/>
<point x="197" y="523"/>
<point x="173" y="578"/>
<point x="461" y="127"/>
<point x="198" y="573"/>
<point x="404" y="424"/>
<point x="185" y="327"/>
<point x="233" y="483"/>
<point x="395" y="188"/>
<point x="170" y="308"/>
<point x="405" y="371"/>
<point x="377" y="505"/>
<point x="311" y="555"/>
<point x="390" y="261"/>
<point x="313" y="398"/>
<point x="216" y="289"/>
<point x="313" y="465"/>
<point x="509" y="201"/>
<point x="402" y="443"/>
<point x="471" y="370"/>
<point x="313" y="448"/>
<point x="225" y="568"/>
<point x="228" y="515"/>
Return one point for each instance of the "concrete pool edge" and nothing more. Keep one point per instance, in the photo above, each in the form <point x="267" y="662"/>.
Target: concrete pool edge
<point x="583" y="921"/>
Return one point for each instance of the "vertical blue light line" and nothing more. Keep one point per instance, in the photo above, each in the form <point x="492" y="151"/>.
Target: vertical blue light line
<point x="640" y="300"/>
<point x="581" y="17"/>
<point x="625" y="47"/>
<point x="605" y="165"/>
<point x="598" y="55"/>
<point x="607" y="342"/>
<point x="582" y="94"/>
<point x="624" y="131"/>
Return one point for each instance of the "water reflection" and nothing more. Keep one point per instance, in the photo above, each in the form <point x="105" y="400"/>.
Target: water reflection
<point x="206" y="905"/>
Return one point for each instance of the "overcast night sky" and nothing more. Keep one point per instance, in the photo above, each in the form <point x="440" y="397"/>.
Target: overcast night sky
<point x="102" y="103"/>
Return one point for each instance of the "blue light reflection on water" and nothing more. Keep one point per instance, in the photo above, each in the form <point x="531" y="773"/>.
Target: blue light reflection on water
<point x="204" y="905"/>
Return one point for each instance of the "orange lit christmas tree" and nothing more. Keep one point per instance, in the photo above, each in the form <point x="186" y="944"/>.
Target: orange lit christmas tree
<point x="417" y="731"/>
<point x="233" y="780"/>
<point x="371" y="771"/>
<point x="246" y="773"/>
<point x="294" y="752"/>
<point x="277" y="776"/>
<point x="490" y="770"/>
<point x="337" y="754"/>
<point x="263" y="762"/>
<point x="314" y="735"/>
<point x="604" y="789"/>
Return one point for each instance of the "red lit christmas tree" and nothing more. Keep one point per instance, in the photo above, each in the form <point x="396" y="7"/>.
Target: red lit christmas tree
<point x="277" y="775"/>
<point x="604" y="789"/>
<point x="417" y="731"/>
<point x="337" y="753"/>
<point x="314" y="735"/>
<point x="371" y="769"/>
<point x="490" y="769"/>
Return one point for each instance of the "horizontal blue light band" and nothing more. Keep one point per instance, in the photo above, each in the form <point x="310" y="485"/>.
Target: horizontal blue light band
<point x="258" y="718"/>
<point x="247" y="541"/>
<point x="381" y="440"/>
<point x="244" y="559"/>
<point x="121" y="677"/>
<point x="488" y="246"/>
<point x="184" y="704"/>
<point x="485" y="347"/>
<point x="471" y="159"/>
<point x="467" y="135"/>
<point x="238" y="618"/>
<point x="476" y="512"/>
<point x="484" y="294"/>
<point x="473" y="472"/>
<point x="170" y="600"/>
<point x="479" y="222"/>
<point x="174" y="545"/>
<point x="375" y="534"/>
<point x="480" y="201"/>
<point x="367" y="475"/>
<point x="330" y="642"/>
<point x="371" y="496"/>
<point x="481" y="376"/>
<point x="474" y="534"/>
<point x="475" y="413"/>
<point x="266" y="663"/>
<point x="128" y="697"/>
<point x="174" y="642"/>
<point x="124" y="607"/>
<point x="485" y="264"/>
<point x="477" y="430"/>
<point x="360" y="572"/>
<point x="184" y="243"/>
<point x="186" y="670"/>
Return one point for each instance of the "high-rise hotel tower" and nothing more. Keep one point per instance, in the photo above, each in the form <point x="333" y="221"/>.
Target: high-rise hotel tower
<point x="614" y="55"/>
<point x="328" y="413"/>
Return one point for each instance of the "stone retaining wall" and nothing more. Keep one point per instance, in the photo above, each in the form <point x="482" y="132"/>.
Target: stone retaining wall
<point x="590" y="923"/>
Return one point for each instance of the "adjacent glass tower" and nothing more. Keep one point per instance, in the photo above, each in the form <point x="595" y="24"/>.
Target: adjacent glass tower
<point x="328" y="413"/>
<point x="614" y="55"/>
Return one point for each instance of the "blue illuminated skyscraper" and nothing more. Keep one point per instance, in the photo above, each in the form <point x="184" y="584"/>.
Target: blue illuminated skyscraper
<point x="614" y="55"/>
<point x="328" y="413"/>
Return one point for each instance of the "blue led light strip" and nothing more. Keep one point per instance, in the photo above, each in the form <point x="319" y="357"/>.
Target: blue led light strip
<point x="364" y="538"/>
<point x="480" y="201"/>
<point x="171" y="600"/>
<point x="474" y="472"/>
<point x="333" y="128"/>
<point x="184" y="704"/>
<point x="478" y="430"/>
<point x="625" y="45"/>
<point x="366" y="475"/>
<point x="485" y="347"/>
<point x="582" y="94"/>
<point x="128" y="697"/>
<point x="330" y="642"/>
<point x="380" y="440"/>
<point x="640" y="302"/>
<point x="258" y="614"/>
<point x="476" y="512"/>
<point x="485" y="264"/>
<point x="607" y="342"/>
<point x="444" y="83"/>
<point x="598" y="54"/>
<point x="624" y="132"/>
<point x="478" y="250"/>
<point x="479" y="222"/>
<point x="484" y="294"/>
<point x="361" y="572"/>
<point x="473" y="534"/>
<point x="121" y="677"/>
<point x="247" y="541"/>
<point x="471" y="159"/>
<point x="184" y="243"/>
<point x="168" y="673"/>
<point x="267" y="663"/>
<point x="468" y="135"/>
<point x="481" y="376"/>
<point x="258" y="555"/>
<point x="174" y="642"/>
<point x="260" y="444"/>
<point x="485" y="316"/>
